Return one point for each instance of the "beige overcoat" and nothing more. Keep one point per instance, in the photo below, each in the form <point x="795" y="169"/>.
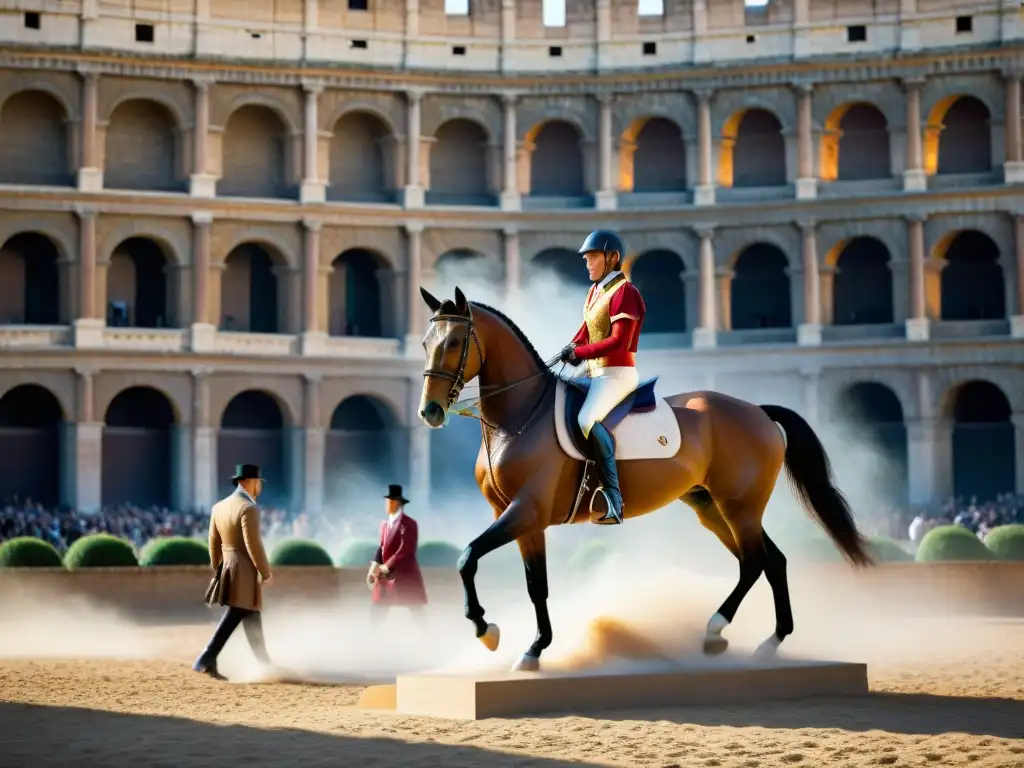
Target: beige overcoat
<point x="236" y="544"/>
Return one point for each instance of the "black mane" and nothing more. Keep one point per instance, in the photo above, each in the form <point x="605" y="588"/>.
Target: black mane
<point x="541" y="363"/>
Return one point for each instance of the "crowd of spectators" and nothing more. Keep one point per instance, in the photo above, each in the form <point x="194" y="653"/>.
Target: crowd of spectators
<point x="977" y="516"/>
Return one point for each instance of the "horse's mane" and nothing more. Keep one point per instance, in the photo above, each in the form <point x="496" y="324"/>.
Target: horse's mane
<point x="541" y="363"/>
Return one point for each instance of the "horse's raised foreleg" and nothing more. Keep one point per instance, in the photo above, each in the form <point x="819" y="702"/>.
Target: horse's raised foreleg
<point x="534" y="551"/>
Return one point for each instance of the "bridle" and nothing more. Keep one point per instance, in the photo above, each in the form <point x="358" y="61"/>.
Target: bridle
<point x="457" y="379"/>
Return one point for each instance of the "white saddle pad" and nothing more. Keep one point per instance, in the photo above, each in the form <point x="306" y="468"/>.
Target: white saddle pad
<point x="652" y="434"/>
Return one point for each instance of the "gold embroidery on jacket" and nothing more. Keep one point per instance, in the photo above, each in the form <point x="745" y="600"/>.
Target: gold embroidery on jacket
<point x="598" y="319"/>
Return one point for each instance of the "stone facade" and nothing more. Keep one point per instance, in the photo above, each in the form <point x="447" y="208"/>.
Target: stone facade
<point x="849" y="228"/>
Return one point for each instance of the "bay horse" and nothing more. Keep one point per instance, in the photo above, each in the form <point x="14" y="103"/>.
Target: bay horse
<point x="719" y="455"/>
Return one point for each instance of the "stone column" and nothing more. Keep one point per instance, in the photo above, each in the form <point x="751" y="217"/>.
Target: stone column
<point x="90" y="175"/>
<point x="204" y="444"/>
<point x="414" y="193"/>
<point x="914" y="179"/>
<point x="705" y="335"/>
<point x="87" y="450"/>
<point x="510" y="198"/>
<point x="416" y="311"/>
<point x="203" y="183"/>
<point x="929" y="460"/>
<point x="1013" y="168"/>
<point x="513" y="263"/>
<point x="606" y="198"/>
<point x="705" y="192"/>
<point x="1017" y="319"/>
<point x="88" y="326"/>
<point x="809" y="332"/>
<point x="806" y="181"/>
<point x="315" y="447"/>
<point x="204" y="329"/>
<point x="314" y="333"/>
<point x="917" y="322"/>
<point x="314" y="190"/>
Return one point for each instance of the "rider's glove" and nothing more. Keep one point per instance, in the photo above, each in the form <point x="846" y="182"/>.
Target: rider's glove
<point x="568" y="355"/>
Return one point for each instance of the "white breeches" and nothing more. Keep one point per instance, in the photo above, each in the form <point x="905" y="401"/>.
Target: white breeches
<point x="608" y="388"/>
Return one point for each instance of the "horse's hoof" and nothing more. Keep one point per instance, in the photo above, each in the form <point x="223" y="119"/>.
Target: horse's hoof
<point x="491" y="637"/>
<point x="526" y="663"/>
<point x="715" y="645"/>
<point x="769" y="649"/>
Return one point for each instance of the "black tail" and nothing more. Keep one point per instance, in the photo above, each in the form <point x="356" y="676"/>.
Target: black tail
<point x="810" y="475"/>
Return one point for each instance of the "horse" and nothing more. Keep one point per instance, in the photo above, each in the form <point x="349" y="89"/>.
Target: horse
<point x="718" y="454"/>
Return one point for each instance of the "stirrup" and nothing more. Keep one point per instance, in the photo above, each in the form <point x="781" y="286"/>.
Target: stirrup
<point x="611" y="516"/>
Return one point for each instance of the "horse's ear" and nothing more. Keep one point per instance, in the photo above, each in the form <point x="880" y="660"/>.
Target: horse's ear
<point x="429" y="299"/>
<point x="460" y="301"/>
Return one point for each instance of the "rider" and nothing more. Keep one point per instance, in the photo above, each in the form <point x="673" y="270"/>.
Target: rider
<point x="607" y="340"/>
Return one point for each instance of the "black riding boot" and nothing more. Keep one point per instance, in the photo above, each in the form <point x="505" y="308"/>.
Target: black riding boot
<point x="604" y="458"/>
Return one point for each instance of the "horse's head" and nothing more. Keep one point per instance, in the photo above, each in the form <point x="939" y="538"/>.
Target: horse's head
<point x="454" y="356"/>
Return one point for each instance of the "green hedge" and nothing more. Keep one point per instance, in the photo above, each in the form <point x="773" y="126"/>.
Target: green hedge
<point x="357" y="553"/>
<point x="29" y="552"/>
<point x="437" y="554"/>
<point x="588" y="558"/>
<point x="300" y="552"/>
<point x="174" y="550"/>
<point x="1006" y="542"/>
<point x="951" y="543"/>
<point x="819" y="549"/>
<point x="100" y="550"/>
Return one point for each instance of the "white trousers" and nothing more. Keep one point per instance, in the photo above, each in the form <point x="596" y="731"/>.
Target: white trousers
<point x="608" y="388"/>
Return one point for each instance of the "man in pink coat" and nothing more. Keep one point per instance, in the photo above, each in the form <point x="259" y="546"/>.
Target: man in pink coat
<point x="394" y="573"/>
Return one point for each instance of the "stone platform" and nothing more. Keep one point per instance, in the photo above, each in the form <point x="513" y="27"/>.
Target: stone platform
<point x="474" y="696"/>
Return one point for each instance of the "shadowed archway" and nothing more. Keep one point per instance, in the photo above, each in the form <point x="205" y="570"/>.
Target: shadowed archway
<point x="252" y="431"/>
<point x="862" y="287"/>
<point x="30" y="289"/>
<point x="658" y="275"/>
<point x="138" y="291"/>
<point x="360" y="283"/>
<point x="760" y="289"/>
<point x="972" y="279"/>
<point x="984" y="451"/>
<point x="35" y="140"/>
<point x="556" y="163"/>
<point x="362" y="453"/>
<point x="138" y="462"/>
<point x="250" y="293"/>
<point x="869" y="414"/>
<point x="459" y="160"/>
<point x="30" y="442"/>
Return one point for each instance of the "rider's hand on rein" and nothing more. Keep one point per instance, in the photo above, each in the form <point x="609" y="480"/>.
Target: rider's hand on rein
<point x="568" y="355"/>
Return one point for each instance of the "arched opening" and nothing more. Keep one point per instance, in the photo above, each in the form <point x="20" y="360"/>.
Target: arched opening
<point x="30" y="281"/>
<point x="659" y="157"/>
<point x="855" y="144"/>
<point x="137" y="456"/>
<point x="458" y="164"/>
<point x="361" y="455"/>
<point x="141" y="148"/>
<point x="138" y="291"/>
<point x="471" y="271"/>
<point x="34" y="147"/>
<point x="556" y="163"/>
<point x="972" y="279"/>
<point x="758" y="154"/>
<point x="760" y="289"/>
<point x="560" y="266"/>
<point x="30" y="425"/>
<point x="862" y="285"/>
<point x="658" y="275"/>
<point x="357" y="298"/>
<point x="984" y="453"/>
<point x="252" y="432"/>
<point x="362" y="159"/>
<point x="961" y="130"/>
<point x="871" y="414"/>
<point x="254" y="148"/>
<point x="249" y="291"/>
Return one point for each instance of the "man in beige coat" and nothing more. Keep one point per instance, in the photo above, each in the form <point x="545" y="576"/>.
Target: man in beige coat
<point x="239" y="563"/>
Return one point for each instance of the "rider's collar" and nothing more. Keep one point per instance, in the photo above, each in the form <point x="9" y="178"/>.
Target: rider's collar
<point x="608" y="278"/>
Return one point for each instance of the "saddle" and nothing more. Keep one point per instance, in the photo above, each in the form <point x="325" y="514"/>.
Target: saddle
<point x="640" y="400"/>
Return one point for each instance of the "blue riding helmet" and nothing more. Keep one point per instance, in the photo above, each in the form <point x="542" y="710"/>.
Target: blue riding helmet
<point x="603" y="240"/>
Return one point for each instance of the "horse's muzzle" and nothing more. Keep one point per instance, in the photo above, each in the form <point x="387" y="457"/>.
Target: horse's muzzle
<point x="432" y="415"/>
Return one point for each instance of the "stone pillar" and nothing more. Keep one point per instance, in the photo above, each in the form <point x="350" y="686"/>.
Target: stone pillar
<point x="1013" y="168"/>
<point x="806" y="181"/>
<point x="203" y="183"/>
<point x="705" y="192"/>
<point x="314" y="190"/>
<point x="204" y="444"/>
<point x="416" y="311"/>
<point x="917" y="322"/>
<point x="914" y="177"/>
<point x="1017" y="319"/>
<point x="90" y="175"/>
<point x="315" y="447"/>
<point x="513" y="263"/>
<point x="929" y="460"/>
<point x="606" y="198"/>
<point x="510" y="198"/>
<point x="87" y="450"/>
<point x="88" y="326"/>
<point x="705" y="334"/>
<point x="414" y="196"/>
<point x="204" y="329"/>
<point x="314" y="334"/>
<point x="809" y="332"/>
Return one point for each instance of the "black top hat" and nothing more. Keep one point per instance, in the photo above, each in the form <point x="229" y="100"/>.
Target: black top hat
<point x="395" y="492"/>
<point x="246" y="472"/>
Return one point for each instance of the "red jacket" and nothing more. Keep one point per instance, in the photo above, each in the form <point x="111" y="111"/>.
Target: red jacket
<point x="620" y="321"/>
<point x="397" y="551"/>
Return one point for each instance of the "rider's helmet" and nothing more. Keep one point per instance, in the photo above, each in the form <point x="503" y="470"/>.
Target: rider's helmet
<point x="605" y="241"/>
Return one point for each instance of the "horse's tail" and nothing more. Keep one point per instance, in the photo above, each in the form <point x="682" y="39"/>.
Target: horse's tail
<point x="810" y="474"/>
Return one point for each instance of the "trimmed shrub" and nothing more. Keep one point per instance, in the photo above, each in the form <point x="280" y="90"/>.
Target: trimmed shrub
<point x="951" y="543"/>
<point x="1006" y="542"/>
<point x="29" y="552"/>
<point x="300" y="552"/>
<point x="357" y="553"/>
<point x="886" y="550"/>
<point x="819" y="549"/>
<point x="100" y="550"/>
<point x="174" y="550"/>
<point x="588" y="558"/>
<point x="437" y="554"/>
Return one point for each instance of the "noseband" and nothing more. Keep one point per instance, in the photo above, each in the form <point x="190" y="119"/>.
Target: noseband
<point x="458" y="379"/>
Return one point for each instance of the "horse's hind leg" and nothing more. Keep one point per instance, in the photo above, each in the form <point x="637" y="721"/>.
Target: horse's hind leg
<point x="775" y="572"/>
<point x="533" y="550"/>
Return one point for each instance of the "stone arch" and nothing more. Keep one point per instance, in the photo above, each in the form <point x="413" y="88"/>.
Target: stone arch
<point x="972" y="282"/>
<point x="139" y="291"/>
<point x="30" y="282"/>
<point x="253" y="431"/>
<point x="359" y="294"/>
<point x="984" y="451"/>
<point x="363" y="157"/>
<point x="256" y="150"/>
<point x="759" y="293"/>
<point x="557" y="160"/>
<point x="658" y="275"/>
<point x="363" y="448"/>
<point x="872" y="415"/>
<point x="142" y="149"/>
<point x="862" y="287"/>
<point x="563" y="265"/>
<point x="652" y="156"/>
<point x="138" y="457"/>
<point x="753" y="150"/>
<point x="31" y="418"/>
<point x="254" y="295"/>
<point x="958" y="137"/>
<point x="468" y="269"/>
<point x="35" y="140"/>
<point x="459" y="161"/>
<point x="855" y="144"/>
